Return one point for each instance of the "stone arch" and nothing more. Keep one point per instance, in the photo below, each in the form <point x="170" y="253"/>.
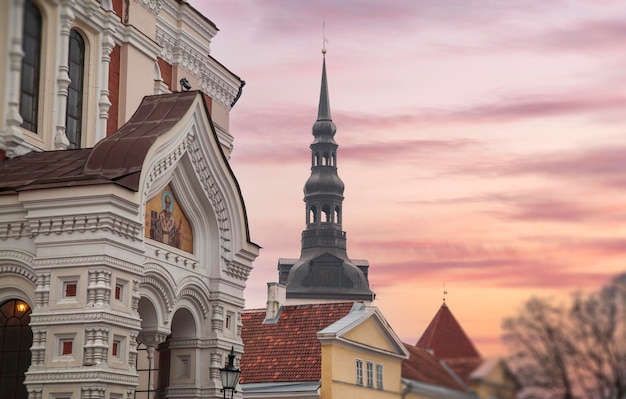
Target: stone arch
<point x="184" y="322"/>
<point x="18" y="277"/>
<point x="196" y="291"/>
<point x="159" y="288"/>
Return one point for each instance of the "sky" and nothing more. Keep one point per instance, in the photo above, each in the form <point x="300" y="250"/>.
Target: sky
<point x="482" y="144"/>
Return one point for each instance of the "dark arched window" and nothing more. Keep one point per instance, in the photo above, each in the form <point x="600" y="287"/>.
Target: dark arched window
<point x="16" y="338"/>
<point x="31" y="66"/>
<point x="74" y="112"/>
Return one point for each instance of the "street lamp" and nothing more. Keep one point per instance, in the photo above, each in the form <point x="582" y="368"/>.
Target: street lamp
<point x="230" y="375"/>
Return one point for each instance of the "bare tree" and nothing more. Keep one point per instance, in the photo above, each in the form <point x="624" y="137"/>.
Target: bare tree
<point x="571" y="352"/>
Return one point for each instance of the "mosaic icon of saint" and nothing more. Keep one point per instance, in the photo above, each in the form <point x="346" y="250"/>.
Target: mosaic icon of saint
<point x="163" y="227"/>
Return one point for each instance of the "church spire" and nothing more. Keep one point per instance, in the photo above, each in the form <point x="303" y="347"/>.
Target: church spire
<point x="323" y="111"/>
<point x="324" y="271"/>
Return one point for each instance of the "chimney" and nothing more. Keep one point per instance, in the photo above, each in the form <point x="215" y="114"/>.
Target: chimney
<point x="276" y="296"/>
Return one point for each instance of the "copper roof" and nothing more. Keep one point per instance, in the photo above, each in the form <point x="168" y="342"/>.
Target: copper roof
<point x="116" y="159"/>
<point x="288" y="350"/>
<point x="422" y="366"/>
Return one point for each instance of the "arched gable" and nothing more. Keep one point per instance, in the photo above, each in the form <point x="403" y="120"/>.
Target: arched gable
<point x="189" y="157"/>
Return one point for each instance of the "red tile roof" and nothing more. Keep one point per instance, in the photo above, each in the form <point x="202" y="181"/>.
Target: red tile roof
<point x="116" y="159"/>
<point x="424" y="367"/>
<point x="287" y="350"/>
<point x="445" y="337"/>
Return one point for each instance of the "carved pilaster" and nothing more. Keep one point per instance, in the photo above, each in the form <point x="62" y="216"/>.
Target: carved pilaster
<point x="35" y="392"/>
<point x="63" y="77"/>
<point x="216" y="364"/>
<point x="239" y="324"/>
<point x="134" y="300"/>
<point x="42" y="291"/>
<point x="93" y="392"/>
<point x="132" y="350"/>
<point x="99" y="288"/>
<point x="12" y="138"/>
<point x="38" y="350"/>
<point x="96" y="345"/>
<point x="104" y="103"/>
<point x="217" y="319"/>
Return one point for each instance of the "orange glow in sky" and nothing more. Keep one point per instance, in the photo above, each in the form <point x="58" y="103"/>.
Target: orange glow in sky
<point x="482" y="145"/>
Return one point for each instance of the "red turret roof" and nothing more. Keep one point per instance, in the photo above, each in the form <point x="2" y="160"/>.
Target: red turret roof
<point x="444" y="337"/>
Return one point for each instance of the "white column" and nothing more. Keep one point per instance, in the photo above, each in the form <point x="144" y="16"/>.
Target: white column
<point x="12" y="137"/>
<point x="63" y="78"/>
<point x="104" y="104"/>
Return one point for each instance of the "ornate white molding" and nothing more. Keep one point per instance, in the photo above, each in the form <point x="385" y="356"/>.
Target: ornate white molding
<point x="18" y="256"/>
<point x="94" y="260"/>
<point x="159" y="287"/>
<point x="198" y="23"/>
<point x="67" y="376"/>
<point x="237" y="270"/>
<point x="201" y="300"/>
<point x="177" y="52"/>
<point x="216" y="197"/>
<point x="86" y="223"/>
<point x="154" y="6"/>
<point x="218" y="202"/>
<point x="66" y="318"/>
<point x="14" y="230"/>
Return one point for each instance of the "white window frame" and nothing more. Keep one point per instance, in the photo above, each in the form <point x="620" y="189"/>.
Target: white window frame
<point x="359" y="372"/>
<point x="120" y="341"/>
<point x="59" y="340"/>
<point x="379" y="376"/>
<point x="370" y="374"/>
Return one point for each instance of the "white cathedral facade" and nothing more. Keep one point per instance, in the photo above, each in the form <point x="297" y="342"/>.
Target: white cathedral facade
<point x="124" y="244"/>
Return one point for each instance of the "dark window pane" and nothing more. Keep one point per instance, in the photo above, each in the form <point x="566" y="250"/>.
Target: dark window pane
<point x="74" y="110"/>
<point x="31" y="68"/>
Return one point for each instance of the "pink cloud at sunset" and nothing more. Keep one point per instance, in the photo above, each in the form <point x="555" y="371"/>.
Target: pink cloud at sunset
<point x="482" y="145"/>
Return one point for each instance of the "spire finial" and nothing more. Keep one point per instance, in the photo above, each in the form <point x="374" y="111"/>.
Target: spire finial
<point x="324" y="39"/>
<point x="444" y="292"/>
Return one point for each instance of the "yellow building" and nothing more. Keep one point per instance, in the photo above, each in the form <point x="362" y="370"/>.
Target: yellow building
<point x="361" y="356"/>
<point x="323" y="350"/>
<point x="494" y="380"/>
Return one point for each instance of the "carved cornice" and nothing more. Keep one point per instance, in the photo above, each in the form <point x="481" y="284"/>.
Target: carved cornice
<point x="19" y="270"/>
<point x="65" y="376"/>
<point x="15" y="255"/>
<point x="95" y="260"/>
<point x="108" y="222"/>
<point x="206" y="29"/>
<point x="154" y="6"/>
<point x="177" y="52"/>
<point x="74" y="317"/>
<point x="14" y="230"/>
<point x="237" y="270"/>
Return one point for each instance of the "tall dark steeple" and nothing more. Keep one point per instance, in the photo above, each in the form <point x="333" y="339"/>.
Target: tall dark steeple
<point x="324" y="272"/>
